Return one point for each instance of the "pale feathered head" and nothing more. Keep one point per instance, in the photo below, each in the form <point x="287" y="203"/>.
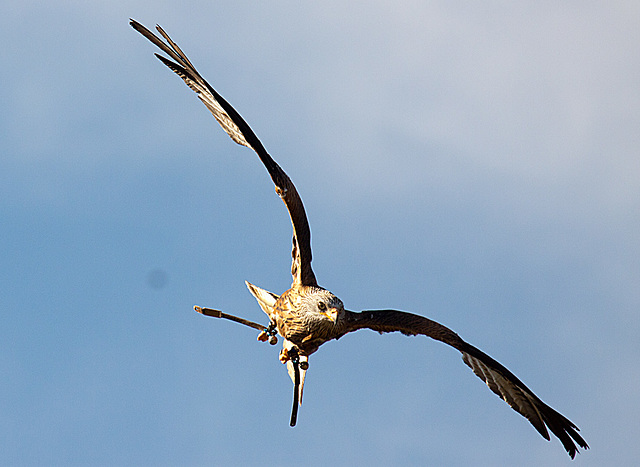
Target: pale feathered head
<point x="320" y="304"/>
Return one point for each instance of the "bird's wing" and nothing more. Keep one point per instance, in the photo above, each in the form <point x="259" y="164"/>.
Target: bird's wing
<point x="499" y="379"/>
<point x="266" y="300"/>
<point x="241" y="133"/>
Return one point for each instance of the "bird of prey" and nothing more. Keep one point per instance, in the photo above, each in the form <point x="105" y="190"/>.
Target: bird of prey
<point x="307" y="315"/>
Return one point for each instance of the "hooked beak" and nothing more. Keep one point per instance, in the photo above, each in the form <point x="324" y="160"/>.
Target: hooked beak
<point x="332" y="314"/>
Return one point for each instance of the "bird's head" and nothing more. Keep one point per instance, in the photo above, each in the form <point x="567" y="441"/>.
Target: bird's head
<point x="325" y="306"/>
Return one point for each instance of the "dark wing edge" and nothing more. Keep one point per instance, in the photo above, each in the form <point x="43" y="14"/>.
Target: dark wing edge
<point x="240" y="132"/>
<point x="498" y="378"/>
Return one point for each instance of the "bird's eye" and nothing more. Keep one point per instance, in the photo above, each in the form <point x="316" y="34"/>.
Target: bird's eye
<point x="322" y="306"/>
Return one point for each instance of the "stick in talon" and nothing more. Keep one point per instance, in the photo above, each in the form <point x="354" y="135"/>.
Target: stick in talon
<point x="296" y="389"/>
<point x="219" y="314"/>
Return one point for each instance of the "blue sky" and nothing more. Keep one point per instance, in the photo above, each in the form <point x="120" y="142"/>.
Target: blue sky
<point x="478" y="165"/>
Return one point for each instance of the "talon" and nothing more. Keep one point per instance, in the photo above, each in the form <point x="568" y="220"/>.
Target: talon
<point x="263" y="336"/>
<point x="284" y="356"/>
<point x="294" y="355"/>
<point x="273" y="340"/>
<point x="304" y="365"/>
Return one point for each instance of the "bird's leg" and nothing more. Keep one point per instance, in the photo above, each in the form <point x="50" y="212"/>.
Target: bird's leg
<point x="286" y="355"/>
<point x="294" y="356"/>
<point x="269" y="333"/>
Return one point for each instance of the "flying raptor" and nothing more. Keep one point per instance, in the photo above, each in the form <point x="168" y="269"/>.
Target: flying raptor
<point x="307" y="315"/>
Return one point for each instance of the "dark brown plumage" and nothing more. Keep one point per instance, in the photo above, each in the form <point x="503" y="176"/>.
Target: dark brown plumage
<point x="307" y="315"/>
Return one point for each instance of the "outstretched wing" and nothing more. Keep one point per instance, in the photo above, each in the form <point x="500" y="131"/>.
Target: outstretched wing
<point x="499" y="379"/>
<point x="241" y="133"/>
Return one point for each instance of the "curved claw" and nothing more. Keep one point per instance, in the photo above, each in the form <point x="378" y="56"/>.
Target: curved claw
<point x="284" y="355"/>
